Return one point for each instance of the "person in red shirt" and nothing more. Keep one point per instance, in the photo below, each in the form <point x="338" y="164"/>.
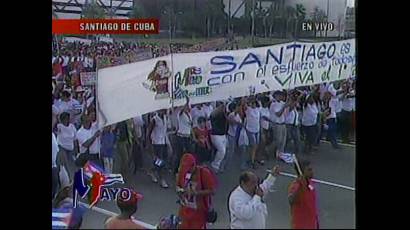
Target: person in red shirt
<point x="125" y="220"/>
<point x="302" y="199"/>
<point x="202" y="141"/>
<point x="195" y="187"/>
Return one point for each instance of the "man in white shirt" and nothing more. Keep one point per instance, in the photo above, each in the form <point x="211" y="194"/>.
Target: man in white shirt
<point x="331" y="101"/>
<point x="183" y="135"/>
<point x="292" y="127"/>
<point x="88" y="137"/>
<point x="246" y="207"/>
<point x="277" y="111"/>
<point x="66" y="136"/>
<point x="347" y="107"/>
<point x="157" y="134"/>
<point x="266" y="136"/>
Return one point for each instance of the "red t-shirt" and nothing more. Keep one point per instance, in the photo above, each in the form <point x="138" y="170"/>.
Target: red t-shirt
<point x="304" y="209"/>
<point x="115" y="223"/>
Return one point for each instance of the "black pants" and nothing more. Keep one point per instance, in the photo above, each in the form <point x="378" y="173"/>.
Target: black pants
<point x="203" y="154"/>
<point x="183" y="145"/>
<point x="160" y="151"/>
<point x="310" y="136"/>
<point x="137" y="156"/>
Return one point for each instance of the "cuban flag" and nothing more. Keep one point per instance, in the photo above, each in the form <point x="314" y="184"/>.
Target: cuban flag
<point x="90" y="179"/>
<point x="286" y="157"/>
<point x="61" y="218"/>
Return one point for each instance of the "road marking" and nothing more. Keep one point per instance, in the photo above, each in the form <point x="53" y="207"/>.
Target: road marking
<point x="342" y="144"/>
<point x="319" y="181"/>
<point x="109" y="213"/>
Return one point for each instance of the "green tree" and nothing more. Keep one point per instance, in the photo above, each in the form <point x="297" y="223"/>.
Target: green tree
<point x="300" y="17"/>
<point x="138" y="11"/>
<point x="93" y="11"/>
<point x="290" y="15"/>
<point x="215" y="16"/>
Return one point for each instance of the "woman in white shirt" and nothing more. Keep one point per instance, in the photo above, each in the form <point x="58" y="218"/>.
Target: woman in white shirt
<point x="66" y="136"/>
<point x="309" y="120"/>
<point x="252" y="126"/>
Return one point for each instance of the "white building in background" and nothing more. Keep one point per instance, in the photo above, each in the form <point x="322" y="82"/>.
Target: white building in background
<point x="336" y="13"/>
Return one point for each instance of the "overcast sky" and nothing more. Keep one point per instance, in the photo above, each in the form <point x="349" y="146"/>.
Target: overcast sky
<point x="350" y="3"/>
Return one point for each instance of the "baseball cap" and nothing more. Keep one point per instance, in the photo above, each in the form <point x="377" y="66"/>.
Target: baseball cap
<point x="133" y="199"/>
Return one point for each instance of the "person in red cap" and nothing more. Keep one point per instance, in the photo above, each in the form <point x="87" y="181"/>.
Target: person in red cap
<point x="125" y="220"/>
<point x="195" y="186"/>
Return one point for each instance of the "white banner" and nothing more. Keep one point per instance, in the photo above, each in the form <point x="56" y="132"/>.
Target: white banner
<point x="133" y="89"/>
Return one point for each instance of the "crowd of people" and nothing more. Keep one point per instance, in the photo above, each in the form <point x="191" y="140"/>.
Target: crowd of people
<point x="194" y="142"/>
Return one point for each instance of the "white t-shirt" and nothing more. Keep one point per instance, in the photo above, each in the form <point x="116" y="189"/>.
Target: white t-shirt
<point x="65" y="61"/>
<point x="197" y="113"/>
<point x="333" y="105"/>
<point x="54" y="150"/>
<point x="84" y="135"/>
<point x="274" y="108"/>
<point x="184" y="123"/>
<point x="348" y="104"/>
<point x="66" y="136"/>
<point x="309" y="115"/>
<point x="253" y="116"/>
<point x="264" y="113"/>
<point x="138" y="124"/>
<point x="159" y="132"/>
<point x="232" y="127"/>
<point x="292" y="117"/>
<point x="208" y="110"/>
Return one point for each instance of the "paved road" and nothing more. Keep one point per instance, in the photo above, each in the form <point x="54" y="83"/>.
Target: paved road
<point x="336" y="205"/>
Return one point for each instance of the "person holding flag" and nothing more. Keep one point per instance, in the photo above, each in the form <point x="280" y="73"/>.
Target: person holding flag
<point x="302" y="198"/>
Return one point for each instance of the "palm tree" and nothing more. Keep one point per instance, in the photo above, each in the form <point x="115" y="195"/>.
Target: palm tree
<point x="138" y="11"/>
<point x="290" y="14"/>
<point x="300" y="16"/>
<point x="318" y="16"/>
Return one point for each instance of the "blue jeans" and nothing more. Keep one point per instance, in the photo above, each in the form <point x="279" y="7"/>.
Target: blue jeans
<point x="331" y="131"/>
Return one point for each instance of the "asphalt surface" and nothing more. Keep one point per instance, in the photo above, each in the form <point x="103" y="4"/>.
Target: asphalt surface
<point x="336" y="205"/>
